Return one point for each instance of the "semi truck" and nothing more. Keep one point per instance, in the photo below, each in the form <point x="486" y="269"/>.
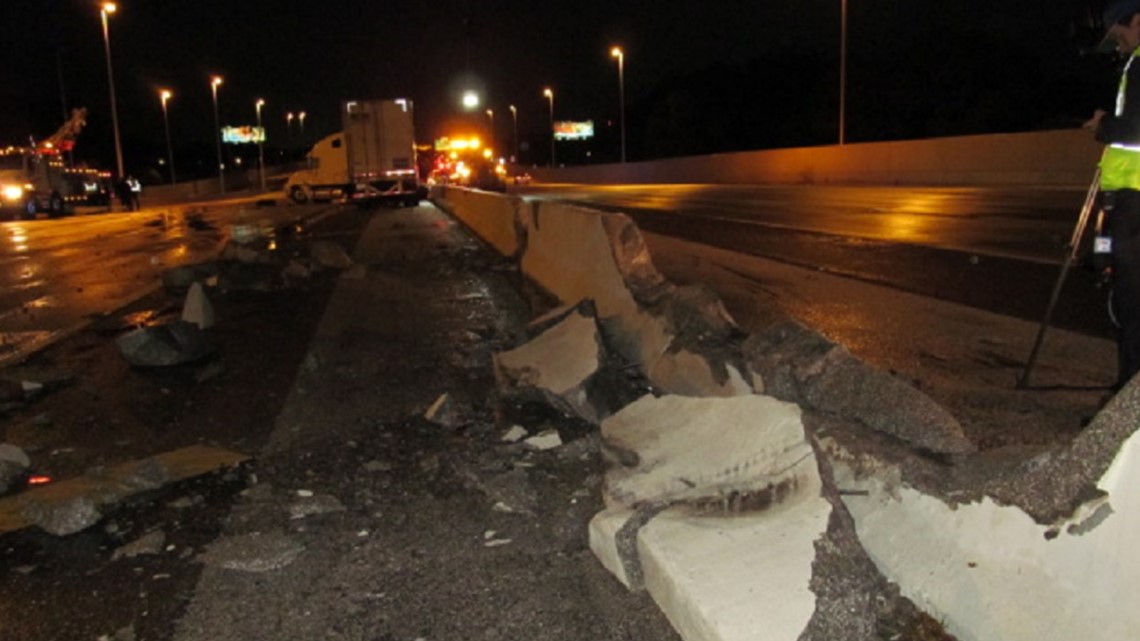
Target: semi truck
<point x="373" y="160"/>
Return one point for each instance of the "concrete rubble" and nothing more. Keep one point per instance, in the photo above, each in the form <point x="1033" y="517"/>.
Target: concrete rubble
<point x="882" y="487"/>
<point x="197" y="308"/>
<point x="174" y="343"/>
<point x="14" y="464"/>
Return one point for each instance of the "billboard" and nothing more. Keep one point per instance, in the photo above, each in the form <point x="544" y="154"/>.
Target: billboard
<point x="571" y="130"/>
<point x="243" y="135"/>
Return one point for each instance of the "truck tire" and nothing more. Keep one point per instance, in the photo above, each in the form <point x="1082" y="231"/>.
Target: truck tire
<point x="30" y="209"/>
<point x="55" y="205"/>
<point x="299" y="195"/>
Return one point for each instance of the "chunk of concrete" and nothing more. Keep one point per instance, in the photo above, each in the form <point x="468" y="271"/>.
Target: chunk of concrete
<point x="749" y="449"/>
<point x="558" y="363"/>
<point x="14" y="463"/>
<point x="197" y="308"/>
<point x="165" y="345"/>
<point x="329" y="254"/>
<point x="253" y="553"/>
<point x="801" y="366"/>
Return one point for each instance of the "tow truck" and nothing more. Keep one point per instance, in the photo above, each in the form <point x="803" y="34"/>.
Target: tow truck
<point x="35" y="179"/>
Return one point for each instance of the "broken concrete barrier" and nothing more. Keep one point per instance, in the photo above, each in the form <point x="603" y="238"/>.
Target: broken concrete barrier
<point x="734" y="555"/>
<point x="799" y="365"/>
<point x="165" y="345"/>
<point x="558" y="363"/>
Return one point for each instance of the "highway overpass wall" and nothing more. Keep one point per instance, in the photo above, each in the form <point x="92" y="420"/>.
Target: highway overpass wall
<point x="1062" y="157"/>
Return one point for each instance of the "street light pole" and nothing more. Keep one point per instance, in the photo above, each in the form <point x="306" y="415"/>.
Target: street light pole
<point x="843" y="72"/>
<point x="515" y="133"/>
<point x="260" y="144"/>
<point x="289" y="128"/>
<point x="491" y="119"/>
<point x="165" y="96"/>
<point x="214" y="82"/>
<point x="549" y="93"/>
<point x="616" y="52"/>
<point x="107" y="9"/>
<point x="301" y="120"/>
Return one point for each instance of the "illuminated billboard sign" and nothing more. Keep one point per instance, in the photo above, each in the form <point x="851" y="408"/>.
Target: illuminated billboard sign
<point x="243" y="135"/>
<point x="571" y="130"/>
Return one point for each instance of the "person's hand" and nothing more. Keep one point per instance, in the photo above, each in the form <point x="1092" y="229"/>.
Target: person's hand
<point x="1094" y="122"/>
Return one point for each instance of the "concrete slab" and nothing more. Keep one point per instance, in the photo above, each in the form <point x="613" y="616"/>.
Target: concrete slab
<point x="676" y="448"/>
<point x="989" y="571"/>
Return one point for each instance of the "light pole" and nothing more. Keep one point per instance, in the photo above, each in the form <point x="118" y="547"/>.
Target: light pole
<point x="301" y="120"/>
<point x="616" y="52"/>
<point x="491" y="124"/>
<point x="515" y="133"/>
<point x="165" y="95"/>
<point x="214" y="82"/>
<point x="549" y="93"/>
<point x="289" y="127"/>
<point x="107" y="9"/>
<point x="843" y="71"/>
<point x="260" y="143"/>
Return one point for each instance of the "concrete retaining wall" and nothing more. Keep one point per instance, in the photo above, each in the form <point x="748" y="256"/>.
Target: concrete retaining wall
<point x="1063" y="157"/>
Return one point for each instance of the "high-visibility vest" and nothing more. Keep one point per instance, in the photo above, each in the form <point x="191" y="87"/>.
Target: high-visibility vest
<point x="1120" y="162"/>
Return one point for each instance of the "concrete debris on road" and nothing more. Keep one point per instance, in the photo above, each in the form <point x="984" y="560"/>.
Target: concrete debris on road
<point x="513" y="435"/>
<point x="197" y="308"/>
<point x="174" y="343"/>
<point x="14" y="464"/>
<point x="150" y="543"/>
<point x="329" y="254"/>
<point x="315" y="504"/>
<point x="446" y="412"/>
<point x="544" y="440"/>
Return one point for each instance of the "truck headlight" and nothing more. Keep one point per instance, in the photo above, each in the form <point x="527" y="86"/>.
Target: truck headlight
<point x="12" y="192"/>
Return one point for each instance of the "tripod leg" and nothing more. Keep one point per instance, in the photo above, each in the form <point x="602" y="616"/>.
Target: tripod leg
<point x="1074" y="247"/>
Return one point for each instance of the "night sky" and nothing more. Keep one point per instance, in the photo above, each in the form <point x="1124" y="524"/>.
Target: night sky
<point x="701" y="76"/>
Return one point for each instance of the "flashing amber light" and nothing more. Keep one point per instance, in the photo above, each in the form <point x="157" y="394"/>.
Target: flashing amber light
<point x="39" y="479"/>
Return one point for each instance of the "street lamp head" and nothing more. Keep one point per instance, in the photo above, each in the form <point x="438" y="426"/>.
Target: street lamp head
<point x="289" y="117"/>
<point x="215" y="81"/>
<point x="301" y="116"/>
<point x="616" y="52"/>
<point x="548" y="93"/>
<point x="109" y="7"/>
<point x="164" y="95"/>
<point x="490" y="113"/>
<point x="513" y="110"/>
<point x="260" y="103"/>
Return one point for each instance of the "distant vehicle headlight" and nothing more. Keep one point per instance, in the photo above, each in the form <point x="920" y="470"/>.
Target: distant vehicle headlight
<point x="12" y="192"/>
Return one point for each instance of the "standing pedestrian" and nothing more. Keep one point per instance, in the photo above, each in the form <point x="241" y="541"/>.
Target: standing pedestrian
<point x="123" y="193"/>
<point x="1120" y="183"/>
<point x="134" y="190"/>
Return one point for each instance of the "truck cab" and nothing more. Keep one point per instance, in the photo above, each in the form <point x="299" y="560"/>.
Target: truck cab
<point x="32" y="182"/>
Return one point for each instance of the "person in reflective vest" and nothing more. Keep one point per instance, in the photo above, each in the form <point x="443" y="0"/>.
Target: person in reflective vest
<point x="1120" y="183"/>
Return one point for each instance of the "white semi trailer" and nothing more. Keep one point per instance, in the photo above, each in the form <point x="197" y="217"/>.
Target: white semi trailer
<point x="372" y="160"/>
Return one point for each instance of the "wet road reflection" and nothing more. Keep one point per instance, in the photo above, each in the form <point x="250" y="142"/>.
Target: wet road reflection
<point x="56" y="274"/>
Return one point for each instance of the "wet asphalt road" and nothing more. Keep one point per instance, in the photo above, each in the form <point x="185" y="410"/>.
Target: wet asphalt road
<point x="994" y="249"/>
<point x="57" y="274"/>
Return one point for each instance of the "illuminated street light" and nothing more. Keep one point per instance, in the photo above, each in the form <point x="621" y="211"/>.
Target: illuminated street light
<point x="260" y="143"/>
<point x="214" y="82"/>
<point x="470" y="100"/>
<point x="549" y="93"/>
<point x="107" y="9"/>
<point x="165" y="95"/>
<point x="301" y="120"/>
<point x="616" y="52"/>
<point x="289" y="126"/>
<point x="515" y="137"/>
<point x="843" y="72"/>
